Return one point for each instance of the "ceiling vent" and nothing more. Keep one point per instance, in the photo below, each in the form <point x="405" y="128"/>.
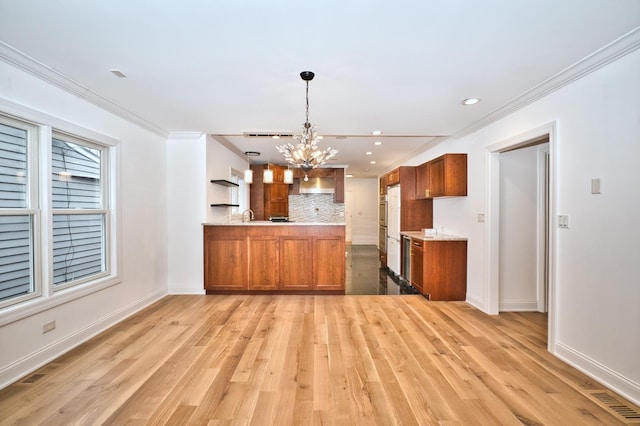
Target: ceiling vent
<point x="267" y="134"/>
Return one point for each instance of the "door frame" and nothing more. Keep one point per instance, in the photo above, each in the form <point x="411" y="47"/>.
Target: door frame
<point x="491" y="294"/>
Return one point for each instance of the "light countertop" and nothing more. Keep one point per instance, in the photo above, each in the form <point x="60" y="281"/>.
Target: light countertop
<point x="439" y="237"/>
<point x="269" y="223"/>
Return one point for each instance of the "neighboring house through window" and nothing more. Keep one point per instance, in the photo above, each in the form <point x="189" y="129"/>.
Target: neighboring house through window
<point x="77" y="218"/>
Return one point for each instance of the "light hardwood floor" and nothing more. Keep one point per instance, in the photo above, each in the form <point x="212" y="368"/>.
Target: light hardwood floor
<point x="289" y="360"/>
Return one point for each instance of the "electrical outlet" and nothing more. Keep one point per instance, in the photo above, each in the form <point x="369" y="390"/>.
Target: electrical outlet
<point x="563" y="221"/>
<point x="480" y="217"/>
<point x="48" y="327"/>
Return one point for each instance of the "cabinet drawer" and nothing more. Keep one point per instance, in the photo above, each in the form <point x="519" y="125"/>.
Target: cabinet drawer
<point x="417" y="243"/>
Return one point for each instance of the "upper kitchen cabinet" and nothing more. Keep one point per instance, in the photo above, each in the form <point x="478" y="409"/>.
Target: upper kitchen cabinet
<point x="383" y="185"/>
<point x="445" y="176"/>
<point x="393" y="177"/>
<point x="270" y="199"/>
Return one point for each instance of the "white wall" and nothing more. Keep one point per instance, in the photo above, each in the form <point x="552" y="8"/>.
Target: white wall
<point x="144" y="231"/>
<point x="518" y="229"/>
<point x="186" y="211"/>
<point x="365" y="210"/>
<point x="596" y="260"/>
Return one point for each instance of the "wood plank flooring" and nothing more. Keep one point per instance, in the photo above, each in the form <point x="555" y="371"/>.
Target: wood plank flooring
<point x="292" y="360"/>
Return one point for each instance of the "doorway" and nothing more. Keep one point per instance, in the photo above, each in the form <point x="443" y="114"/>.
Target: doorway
<point x="523" y="233"/>
<point x="544" y="236"/>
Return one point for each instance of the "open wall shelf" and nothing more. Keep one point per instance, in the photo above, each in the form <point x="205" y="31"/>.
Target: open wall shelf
<point x="223" y="182"/>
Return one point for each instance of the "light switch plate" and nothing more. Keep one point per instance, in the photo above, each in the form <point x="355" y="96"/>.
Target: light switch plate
<point x="595" y="186"/>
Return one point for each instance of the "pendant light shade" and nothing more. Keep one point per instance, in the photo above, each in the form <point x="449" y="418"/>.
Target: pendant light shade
<point x="288" y="176"/>
<point x="248" y="176"/>
<point x="267" y="177"/>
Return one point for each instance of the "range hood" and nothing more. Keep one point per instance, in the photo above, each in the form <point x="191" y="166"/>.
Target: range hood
<point x="317" y="185"/>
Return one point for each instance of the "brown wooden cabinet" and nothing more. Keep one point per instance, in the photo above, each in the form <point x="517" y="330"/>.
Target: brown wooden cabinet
<point x="295" y="260"/>
<point x="268" y="199"/>
<point x="274" y="258"/>
<point x="439" y="268"/>
<point x="383" y="185"/>
<point x="393" y="177"/>
<point x="417" y="276"/>
<point x="227" y="268"/>
<point x="328" y="265"/>
<point x="445" y="176"/>
<point x="264" y="262"/>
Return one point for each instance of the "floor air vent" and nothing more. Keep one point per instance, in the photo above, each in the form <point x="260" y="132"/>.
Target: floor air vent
<point x="630" y="414"/>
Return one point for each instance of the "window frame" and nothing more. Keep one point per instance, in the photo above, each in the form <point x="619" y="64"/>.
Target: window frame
<point x="236" y="212"/>
<point x="47" y="297"/>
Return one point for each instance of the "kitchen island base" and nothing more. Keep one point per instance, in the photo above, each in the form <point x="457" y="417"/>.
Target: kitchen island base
<point x="267" y="259"/>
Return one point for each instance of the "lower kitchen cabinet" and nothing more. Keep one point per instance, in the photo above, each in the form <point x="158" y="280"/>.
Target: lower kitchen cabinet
<point x="274" y="258"/>
<point x="439" y="268"/>
<point x="263" y="263"/>
<point x="295" y="259"/>
<point x="228" y="267"/>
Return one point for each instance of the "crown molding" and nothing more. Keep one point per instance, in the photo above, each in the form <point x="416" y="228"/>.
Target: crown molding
<point x="44" y="72"/>
<point x="598" y="59"/>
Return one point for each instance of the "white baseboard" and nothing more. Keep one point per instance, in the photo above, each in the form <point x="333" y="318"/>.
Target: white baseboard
<point x="35" y="360"/>
<point x="599" y="372"/>
<point x="476" y="303"/>
<point x="187" y="290"/>
<point x="518" y="306"/>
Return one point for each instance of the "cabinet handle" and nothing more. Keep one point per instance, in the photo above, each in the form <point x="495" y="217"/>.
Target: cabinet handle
<point x="417" y="244"/>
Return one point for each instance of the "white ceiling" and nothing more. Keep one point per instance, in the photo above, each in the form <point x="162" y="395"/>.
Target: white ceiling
<point x="228" y="67"/>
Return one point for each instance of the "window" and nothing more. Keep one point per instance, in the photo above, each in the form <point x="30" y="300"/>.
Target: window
<point x="18" y="198"/>
<point x="79" y="216"/>
<point x="238" y="194"/>
<point x="75" y="216"/>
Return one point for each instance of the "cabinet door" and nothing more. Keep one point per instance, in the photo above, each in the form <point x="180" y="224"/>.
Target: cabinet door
<point x="383" y="185"/>
<point x="436" y="177"/>
<point x="263" y="263"/>
<point x="417" y="272"/>
<point x="329" y="263"/>
<point x="225" y="263"/>
<point x="296" y="263"/>
<point x="445" y="270"/>
<point x="422" y="181"/>
<point x="393" y="177"/>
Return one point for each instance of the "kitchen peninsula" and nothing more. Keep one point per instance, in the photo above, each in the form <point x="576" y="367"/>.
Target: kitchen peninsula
<point x="270" y="257"/>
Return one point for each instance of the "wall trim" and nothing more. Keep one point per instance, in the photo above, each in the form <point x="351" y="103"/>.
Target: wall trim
<point x="186" y="290"/>
<point x="599" y="372"/>
<point x="519" y="306"/>
<point x="22" y="367"/>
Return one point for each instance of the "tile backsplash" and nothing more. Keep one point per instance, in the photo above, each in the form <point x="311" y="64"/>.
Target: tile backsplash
<point x="315" y="208"/>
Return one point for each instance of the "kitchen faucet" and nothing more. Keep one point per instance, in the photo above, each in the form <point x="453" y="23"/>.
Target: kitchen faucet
<point x="251" y="216"/>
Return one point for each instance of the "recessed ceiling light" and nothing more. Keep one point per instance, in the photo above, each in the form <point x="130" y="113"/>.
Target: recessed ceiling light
<point x="470" y="101"/>
<point x="320" y="137"/>
<point x="275" y="137"/>
<point x="349" y="175"/>
<point x="372" y="162"/>
<point x="369" y="153"/>
<point x="377" y="143"/>
<point x="376" y="132"/>
<point x="118" y="73"/>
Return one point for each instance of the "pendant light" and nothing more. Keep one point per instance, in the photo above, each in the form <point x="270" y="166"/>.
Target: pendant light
<point x="248" y="173"/>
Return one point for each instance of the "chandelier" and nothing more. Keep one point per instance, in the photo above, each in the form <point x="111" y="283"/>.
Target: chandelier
<point x="305" y="154"/>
